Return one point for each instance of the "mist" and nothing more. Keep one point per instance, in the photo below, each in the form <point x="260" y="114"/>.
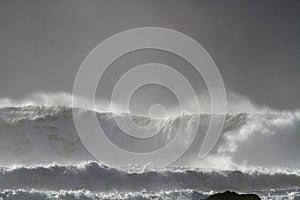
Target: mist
<point x="255" y="44"/>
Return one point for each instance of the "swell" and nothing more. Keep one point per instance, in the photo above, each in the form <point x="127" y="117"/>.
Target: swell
<point x="94" y="176"/>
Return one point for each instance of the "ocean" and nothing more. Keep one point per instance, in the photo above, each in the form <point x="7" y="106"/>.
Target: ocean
<point x="42" y="157"/>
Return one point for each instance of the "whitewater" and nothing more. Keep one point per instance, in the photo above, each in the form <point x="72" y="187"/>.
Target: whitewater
<point x="42" y="157"/>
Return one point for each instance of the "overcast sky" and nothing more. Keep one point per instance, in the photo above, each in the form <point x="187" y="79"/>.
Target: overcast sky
<point x="255" y="43"/>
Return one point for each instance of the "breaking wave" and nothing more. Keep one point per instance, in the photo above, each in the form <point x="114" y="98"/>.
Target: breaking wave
<point x="42" y="135"/>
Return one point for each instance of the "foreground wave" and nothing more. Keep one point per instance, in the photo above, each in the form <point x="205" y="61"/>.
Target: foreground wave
<point x="94" y="176"/>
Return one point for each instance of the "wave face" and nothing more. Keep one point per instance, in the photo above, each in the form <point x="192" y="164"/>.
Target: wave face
<point x="39" y="135"/>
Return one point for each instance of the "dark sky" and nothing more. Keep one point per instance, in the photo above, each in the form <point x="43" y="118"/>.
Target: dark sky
<point x="255" y="43"/>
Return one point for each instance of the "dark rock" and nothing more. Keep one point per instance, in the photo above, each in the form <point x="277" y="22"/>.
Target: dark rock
<point x="233" y="196"/>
